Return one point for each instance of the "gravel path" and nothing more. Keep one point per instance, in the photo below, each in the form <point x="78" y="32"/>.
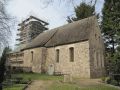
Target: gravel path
<point x="43" y="85"/>
<point x="39" y="85"/>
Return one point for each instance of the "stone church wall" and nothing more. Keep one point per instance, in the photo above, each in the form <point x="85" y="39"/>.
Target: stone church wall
<point x="96" y="53"/>
<point x="81" y="65"/>
<point x="33" y="59"/>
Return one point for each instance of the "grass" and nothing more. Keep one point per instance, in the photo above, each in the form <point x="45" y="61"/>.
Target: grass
<point x="14" y="87"/>
<point x="37" y="76"/>
<point x="32" y="76"/>
<point x="57" y="85"/>
<point x="68" y="86"/>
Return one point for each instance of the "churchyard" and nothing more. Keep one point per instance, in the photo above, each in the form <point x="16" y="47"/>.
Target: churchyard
<point x="46" y="82"/>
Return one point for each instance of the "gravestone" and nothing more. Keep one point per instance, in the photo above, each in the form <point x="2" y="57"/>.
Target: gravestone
<point x="68" y="78"/>
<point x="51" y="69"/>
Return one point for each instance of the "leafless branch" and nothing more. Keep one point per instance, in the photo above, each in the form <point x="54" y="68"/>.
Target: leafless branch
<point x="49" y="2"/>
<point x="4" y="25"/>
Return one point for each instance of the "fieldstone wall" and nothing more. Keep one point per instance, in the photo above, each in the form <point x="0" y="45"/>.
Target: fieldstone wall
<point x="96" y="52"/>
<point x="33" y="61"/>
<point x="81" y="65"/>
<point x="43" y="60"/>
<point x="27" y="59"/>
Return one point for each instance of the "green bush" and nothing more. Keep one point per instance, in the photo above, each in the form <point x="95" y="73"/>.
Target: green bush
<point x="24" y="82"/>
<point x="114" y="82"/>
<point x="18" y="80"/>
<point x="111" y="81"/>
<point x="103" y="79"/>
<point x="108" y="80"/>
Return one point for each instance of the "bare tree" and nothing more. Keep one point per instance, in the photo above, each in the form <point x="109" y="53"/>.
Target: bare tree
<point x="68" y="2"/>
<point x="49" y="2"/>
<point x="4" y="25"/>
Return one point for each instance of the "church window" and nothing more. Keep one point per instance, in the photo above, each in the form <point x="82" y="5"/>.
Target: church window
<point x="101" y="60"/>
<point x="95" y="61"/>
<point x="57" y="55"/>
<point x="99" y="38"/>
<point x="97" y="58"/>
<point x="71" y="52"/>
<point x="95" y="36"/>
<point x="32" y="56"/>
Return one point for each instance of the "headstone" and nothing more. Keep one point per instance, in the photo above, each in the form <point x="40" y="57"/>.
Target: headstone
<point x="67" y="78"/>
<point x="51" y="70"/>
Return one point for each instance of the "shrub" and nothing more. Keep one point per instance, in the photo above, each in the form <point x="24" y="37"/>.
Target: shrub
<point x="103" y="79"/>
<point x="114" y="82"/>
<point x="18" y="80"/>
<point x="108" y="80"/>
<point x="117" y="78"/>
<point x="24" y="82"/>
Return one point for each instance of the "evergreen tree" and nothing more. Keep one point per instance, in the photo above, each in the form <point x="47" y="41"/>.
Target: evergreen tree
<point x="82" y="11"/>
<point x="111" y="33"/>
<point x="111" y="24"/>
<point x="2" y="65"/>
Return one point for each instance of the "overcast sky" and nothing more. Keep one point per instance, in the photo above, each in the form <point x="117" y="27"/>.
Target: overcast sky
<point x="55" y="13"/>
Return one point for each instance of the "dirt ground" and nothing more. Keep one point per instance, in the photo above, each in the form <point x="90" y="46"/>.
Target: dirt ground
<point x="44" y="84"/>
<point x="39" y="85"/>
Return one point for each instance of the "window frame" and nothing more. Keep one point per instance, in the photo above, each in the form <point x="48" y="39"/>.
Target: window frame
<point x="57" y="55"/>
<point x="32" y="56"/>
<point x="71" y="54"/>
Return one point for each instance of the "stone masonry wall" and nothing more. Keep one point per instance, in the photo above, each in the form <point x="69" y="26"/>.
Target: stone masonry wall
<point x="33" y="61"/>
<point x="96" y="52"/>
<point x="81" y="65"/>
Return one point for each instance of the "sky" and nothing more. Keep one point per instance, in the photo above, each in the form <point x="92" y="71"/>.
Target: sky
<point x="54" y="13"/>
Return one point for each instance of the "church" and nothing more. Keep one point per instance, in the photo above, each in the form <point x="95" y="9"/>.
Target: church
<point x="76" y="48"/>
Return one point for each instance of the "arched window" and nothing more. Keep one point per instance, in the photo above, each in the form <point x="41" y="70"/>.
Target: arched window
<point x="71" y="53"/>
<point x="32" y="56"/>
<point x="95" y="36"/>
<point x="97" y="58"/>
<point x="57" y="55"/>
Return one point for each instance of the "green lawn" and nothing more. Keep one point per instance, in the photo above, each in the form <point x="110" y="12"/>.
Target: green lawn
<point x="14" y="87"/>
<point x="57" y="84"/>
<point x="68" y="86"/>
<point x="32" y="76"/>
